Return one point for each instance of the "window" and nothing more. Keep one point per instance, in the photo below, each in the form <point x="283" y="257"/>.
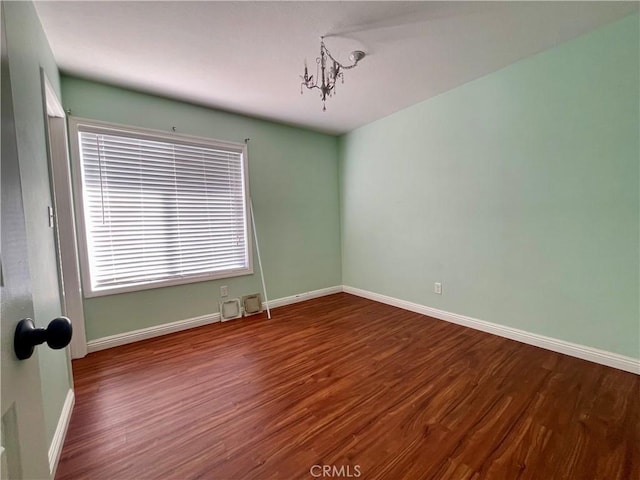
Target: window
<point x="158" y="209"/>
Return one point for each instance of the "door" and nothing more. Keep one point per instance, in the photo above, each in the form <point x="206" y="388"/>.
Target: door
<point x="64" y="224"/>
<point x="24" y="454"/>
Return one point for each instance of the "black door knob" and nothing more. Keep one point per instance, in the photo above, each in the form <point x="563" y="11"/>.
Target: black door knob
<point x="57" y="335"/>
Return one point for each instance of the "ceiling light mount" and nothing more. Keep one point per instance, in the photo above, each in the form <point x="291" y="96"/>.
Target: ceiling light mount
<point x="327" y="75"/>
<point x="357" y="55"/>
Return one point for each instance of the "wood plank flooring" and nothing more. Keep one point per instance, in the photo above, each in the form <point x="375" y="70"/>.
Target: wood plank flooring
<point x="344" y="382"/>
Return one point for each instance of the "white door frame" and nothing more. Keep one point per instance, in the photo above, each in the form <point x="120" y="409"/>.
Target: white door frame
<point x="64" y="217"/>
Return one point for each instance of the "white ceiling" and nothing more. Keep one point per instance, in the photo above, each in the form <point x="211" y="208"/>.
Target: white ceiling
<point x="246" y="57"/>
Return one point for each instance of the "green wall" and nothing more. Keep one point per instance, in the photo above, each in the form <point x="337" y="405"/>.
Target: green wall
<point x="28" y="51"/>
<point x="293" y="175"/>
<point x="518" y="191"/>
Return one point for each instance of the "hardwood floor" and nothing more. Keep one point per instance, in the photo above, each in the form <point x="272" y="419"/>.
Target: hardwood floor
<point x="375" y="391"/>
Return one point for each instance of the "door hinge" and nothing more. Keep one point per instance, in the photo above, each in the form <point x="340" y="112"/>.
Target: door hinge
<point x="50" y="212"/>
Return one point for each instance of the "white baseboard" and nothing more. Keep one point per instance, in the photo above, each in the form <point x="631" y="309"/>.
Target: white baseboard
<point x="55" y="449"/>
<point x="301" y="297"/>
<point x="591" y="354"/>
<point x="150" y="332"/>
<point x="158" y="330"/>
<point x="603" y="357"/>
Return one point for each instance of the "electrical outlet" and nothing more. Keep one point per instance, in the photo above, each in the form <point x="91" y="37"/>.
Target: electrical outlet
<point x="437" y="288"/>
<point x="224" y="291"/>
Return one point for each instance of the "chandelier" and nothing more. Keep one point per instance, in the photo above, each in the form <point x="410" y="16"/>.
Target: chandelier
<point x="328" y="76"/>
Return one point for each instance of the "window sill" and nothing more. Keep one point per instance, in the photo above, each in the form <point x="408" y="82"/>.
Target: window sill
<point x="166" y="283"/>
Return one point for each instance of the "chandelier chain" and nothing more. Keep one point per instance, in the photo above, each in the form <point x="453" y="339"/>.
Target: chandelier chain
<point x="344" y="67"/>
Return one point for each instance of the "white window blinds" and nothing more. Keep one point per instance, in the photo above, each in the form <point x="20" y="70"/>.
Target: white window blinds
<point x="161" y="211"/>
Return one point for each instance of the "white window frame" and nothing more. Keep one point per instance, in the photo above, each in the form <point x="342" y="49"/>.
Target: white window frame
<point x="77" y="125"/>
